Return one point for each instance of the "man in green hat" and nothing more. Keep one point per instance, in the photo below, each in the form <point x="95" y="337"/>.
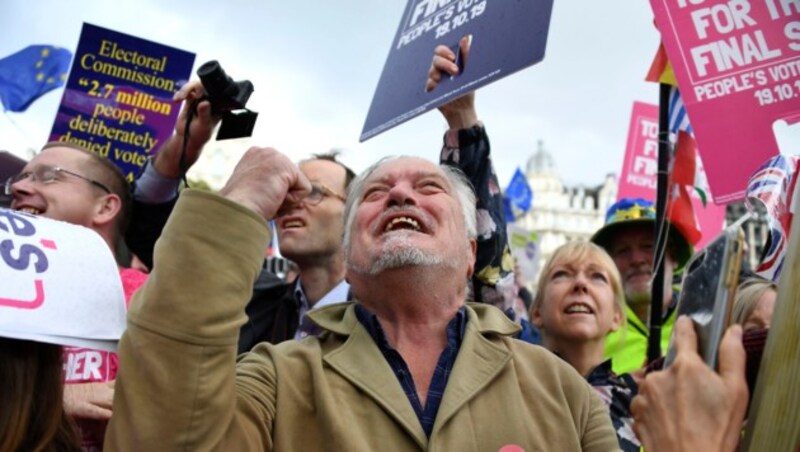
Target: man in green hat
<point x="629" y="237"/>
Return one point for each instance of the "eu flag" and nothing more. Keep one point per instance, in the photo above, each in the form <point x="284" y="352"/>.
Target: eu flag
<point x="30" y="73"/>
<point x="518" y="197"/>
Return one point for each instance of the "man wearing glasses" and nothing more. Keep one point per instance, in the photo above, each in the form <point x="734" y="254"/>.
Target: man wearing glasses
<point x="68" y="183"/>
<point x="65" y="182"/>
<point x="310" y="234"/>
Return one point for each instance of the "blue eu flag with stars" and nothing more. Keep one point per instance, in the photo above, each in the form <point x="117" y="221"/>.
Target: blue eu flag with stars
<point x="518" y="197"/>
<point x="30" y="73"/>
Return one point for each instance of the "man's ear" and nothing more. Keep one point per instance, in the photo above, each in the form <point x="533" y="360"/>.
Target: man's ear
<point x="672" y="254"/>
<point x="473" y="250"/>
<point x="106" y="209"/>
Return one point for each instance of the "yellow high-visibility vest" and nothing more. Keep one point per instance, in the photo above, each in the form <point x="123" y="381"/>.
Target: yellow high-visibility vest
<point x="627" y="347"/>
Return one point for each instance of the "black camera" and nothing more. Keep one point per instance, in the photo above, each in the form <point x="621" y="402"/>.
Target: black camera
<point x="228" y="98"/>
<point x="223" y="93"/>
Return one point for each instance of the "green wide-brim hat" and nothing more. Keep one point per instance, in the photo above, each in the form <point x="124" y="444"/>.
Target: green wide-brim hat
<point x="631" y="211"/>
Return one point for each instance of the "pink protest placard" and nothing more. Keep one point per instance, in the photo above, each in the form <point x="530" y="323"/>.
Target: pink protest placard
<point x="638" y="175"/>
<point x="737" y="63"/>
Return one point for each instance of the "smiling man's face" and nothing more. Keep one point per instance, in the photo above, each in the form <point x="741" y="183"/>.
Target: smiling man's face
<point x="633" y="250"/>
<point x="67" y="198"/>
<point x="408" y="215"/>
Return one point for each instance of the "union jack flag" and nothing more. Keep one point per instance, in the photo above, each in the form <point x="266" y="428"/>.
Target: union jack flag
<point x="774" y="185"/>
<point x="678" y="119"/>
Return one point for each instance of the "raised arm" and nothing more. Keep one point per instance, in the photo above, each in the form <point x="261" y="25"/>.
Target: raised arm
<point x="176" y="387"/>
<point x="466" y="146"/>
<point x="156" y="190"/>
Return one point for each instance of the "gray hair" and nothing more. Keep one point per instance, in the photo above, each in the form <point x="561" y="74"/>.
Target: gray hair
<point x="748" y="295"/>
<point x="461" y="186"/>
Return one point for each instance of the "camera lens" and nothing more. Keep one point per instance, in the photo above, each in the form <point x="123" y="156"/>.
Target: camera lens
<point x="214" y="79"/>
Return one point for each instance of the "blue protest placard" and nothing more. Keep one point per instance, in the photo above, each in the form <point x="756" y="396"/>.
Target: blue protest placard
<point x="507" y="35"/>
<point x="118" y="98"/>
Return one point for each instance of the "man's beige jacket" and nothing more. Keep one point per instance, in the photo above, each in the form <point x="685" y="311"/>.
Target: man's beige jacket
<point x="180" y="388"/>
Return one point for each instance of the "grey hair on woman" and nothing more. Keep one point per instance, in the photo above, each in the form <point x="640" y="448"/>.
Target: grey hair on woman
<point x="748" y="295"/>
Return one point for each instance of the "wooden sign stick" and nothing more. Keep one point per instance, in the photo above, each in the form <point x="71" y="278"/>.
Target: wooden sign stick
<point x="774" y="418"/>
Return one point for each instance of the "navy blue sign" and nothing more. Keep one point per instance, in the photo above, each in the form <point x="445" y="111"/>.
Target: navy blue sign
<point x="507" y="35"/>
<point x="118" y="99"/>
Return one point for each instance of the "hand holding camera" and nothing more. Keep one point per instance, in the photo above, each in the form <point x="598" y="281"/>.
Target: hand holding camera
<point x="177" y="155"/>
<point x="216" y="97"/>
<point x="228" y="98"/>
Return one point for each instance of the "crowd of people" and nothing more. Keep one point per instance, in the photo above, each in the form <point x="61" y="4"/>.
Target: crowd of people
<point x="401" y="331"/>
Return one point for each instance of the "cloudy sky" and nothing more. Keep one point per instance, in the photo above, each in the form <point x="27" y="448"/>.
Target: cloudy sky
<point x="315" y="65"/>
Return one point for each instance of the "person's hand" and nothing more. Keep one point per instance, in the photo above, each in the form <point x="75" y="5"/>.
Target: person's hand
<point x="638" y="375"/>
<point x="89" y="400"/>
<point x="646" y="368"/>
<point x="167" y="161"/>
<point x="264" y="180"/>
<point x="689" y="406"/>
<point x="460" y="113"/>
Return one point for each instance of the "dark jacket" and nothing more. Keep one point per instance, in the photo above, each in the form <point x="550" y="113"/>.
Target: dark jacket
<point x="272" y="314"/>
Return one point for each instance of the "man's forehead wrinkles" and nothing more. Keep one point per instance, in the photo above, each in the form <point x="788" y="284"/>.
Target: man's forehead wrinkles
<point x="390" y="176"/>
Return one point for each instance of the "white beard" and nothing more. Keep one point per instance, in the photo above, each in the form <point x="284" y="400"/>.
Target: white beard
<point x="397" y="252"/>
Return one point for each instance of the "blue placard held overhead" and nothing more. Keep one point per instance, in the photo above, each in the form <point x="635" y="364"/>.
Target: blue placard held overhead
<point x="118" y="99"/>
<point x="507" y="35"/>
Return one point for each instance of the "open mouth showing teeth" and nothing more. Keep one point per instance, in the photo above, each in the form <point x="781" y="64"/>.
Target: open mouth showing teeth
<point x="292" y="224"/>
<point x="402" y="223"/>
<point x="578" y="309"/>
<point x="30" y="210"/>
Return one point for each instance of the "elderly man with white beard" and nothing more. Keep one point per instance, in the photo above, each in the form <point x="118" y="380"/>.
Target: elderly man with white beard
<point x="407" y="365"/>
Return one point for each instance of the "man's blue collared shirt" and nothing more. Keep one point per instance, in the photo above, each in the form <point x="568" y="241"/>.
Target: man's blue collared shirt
<point x="455" y="334"/>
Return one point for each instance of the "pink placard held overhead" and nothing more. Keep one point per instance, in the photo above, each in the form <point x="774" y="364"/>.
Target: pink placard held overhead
<point x="638" y="176"/>
<point x="737" y="63"/>
<point x="639" y="168"/>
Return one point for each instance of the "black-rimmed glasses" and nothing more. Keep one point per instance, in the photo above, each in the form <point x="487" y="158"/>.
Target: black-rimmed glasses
<point x="47" y="174"/>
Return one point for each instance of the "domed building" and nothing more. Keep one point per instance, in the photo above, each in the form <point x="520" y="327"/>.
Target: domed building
<point x="560" y="213"/>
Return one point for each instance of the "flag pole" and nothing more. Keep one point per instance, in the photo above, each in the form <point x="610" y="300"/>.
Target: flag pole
<point x="659" y="251"/>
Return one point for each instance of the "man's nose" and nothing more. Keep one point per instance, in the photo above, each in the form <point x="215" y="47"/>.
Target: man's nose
<point x="642" y="256"/>
<point x="402" y="194"/>
<point x="22" y="186"/>
<point x="289" y="208"/>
